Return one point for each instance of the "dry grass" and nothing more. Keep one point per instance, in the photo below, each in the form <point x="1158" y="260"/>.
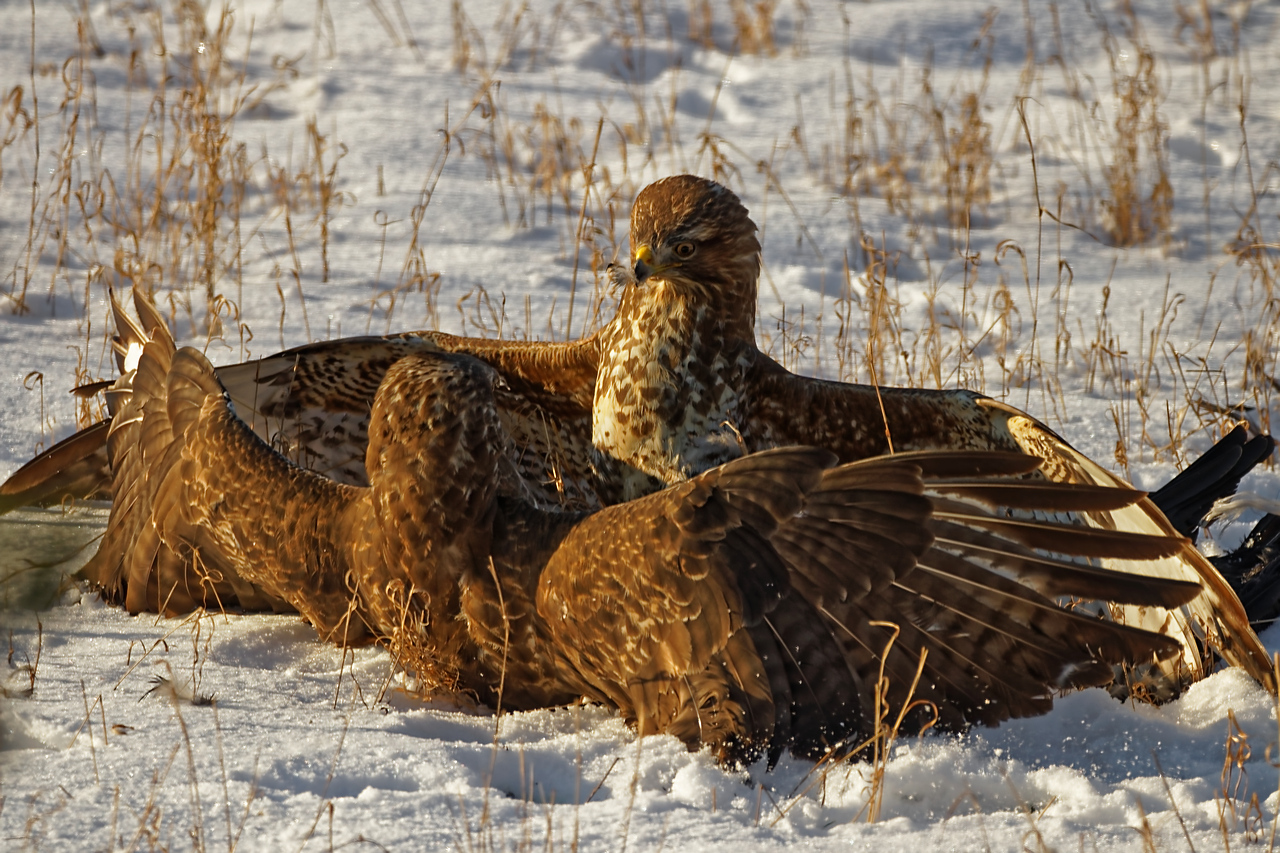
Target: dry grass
<point x="190" y="204"/>
<point x="157" y="824"/>
<point x="875" y="751"/>
<point x="888" y="724"/>
<point x="931" y="150"/>
<point x="1138" y="204"/>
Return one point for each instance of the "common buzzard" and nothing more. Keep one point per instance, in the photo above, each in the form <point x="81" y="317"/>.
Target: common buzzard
<point x="738" y="609"/>
<point x="672" y="385"/>
<point x="680" y="369"/>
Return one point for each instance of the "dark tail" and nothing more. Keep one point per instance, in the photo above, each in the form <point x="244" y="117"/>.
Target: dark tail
<point x="1189" y="496"/>
<point x="1253" y="569"/>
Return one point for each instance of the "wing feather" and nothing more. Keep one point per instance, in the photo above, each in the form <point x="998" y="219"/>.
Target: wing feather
<point x="854" y="421"/>
<point x="659" y="600"/>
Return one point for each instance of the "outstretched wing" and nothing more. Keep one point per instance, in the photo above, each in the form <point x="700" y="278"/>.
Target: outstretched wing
<point x="204" y="514"/>
<point x="75" y="468"/>
<point x="205" y="510"/>
<point x="312" y="404"/>
<point x="753" y="604"/>
<point x="79" y="467"/>
<point x="977" y="601"/>
<point x="151" y="557"/>
<point x="856" y="422"/>
<point x="1214" y="618"/>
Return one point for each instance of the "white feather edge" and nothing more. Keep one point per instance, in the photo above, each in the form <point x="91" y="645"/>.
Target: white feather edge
<point x="132" y="356"/>
<point x="1236" y="505"/>
<point x="1215" y="618"/>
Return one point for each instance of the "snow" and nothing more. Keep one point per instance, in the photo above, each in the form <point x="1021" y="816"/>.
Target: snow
<point x="304" y="747"/>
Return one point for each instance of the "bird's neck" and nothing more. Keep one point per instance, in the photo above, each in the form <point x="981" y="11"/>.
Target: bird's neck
<point x="668" y="391"/>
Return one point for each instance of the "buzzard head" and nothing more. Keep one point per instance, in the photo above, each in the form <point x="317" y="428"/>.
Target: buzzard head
<point x="694" y="234"/>
<point x="668" y="389"/>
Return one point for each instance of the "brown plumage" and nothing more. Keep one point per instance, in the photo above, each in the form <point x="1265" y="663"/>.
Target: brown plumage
<point x="676" y="384"/>
<point x="705" y="609"/>
<point x="679" y="360"/>
<point x="843" y="554"/>
<point x="312" y="404"/>
<point x="205" y="513"/>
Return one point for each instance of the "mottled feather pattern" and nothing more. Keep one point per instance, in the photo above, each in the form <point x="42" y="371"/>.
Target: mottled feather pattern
<point x="668" y="392"/>
<point x="143" y="561"/>
<point x="650" y="601"/>
<point x="731" y="601"/>
<point x="693" y="292"/>
<point x="399" y="560"/>
<point x="312" y="404"/>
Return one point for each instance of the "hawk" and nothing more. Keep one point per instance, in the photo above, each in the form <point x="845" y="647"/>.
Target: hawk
<point x="672" y="385"/>
<point x="733" y="609"/>
<point x="680" y="368"/>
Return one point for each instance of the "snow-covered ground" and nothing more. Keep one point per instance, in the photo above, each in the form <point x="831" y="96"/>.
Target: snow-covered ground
<point x="453" y="141"/>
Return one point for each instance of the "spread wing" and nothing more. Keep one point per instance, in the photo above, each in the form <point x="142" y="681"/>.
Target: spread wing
<point x="75" y="468"/>
<point x="654" y="602"/>
<point x="147" y="559"/>
<point x="408" y="555"/>
<point x="752" y="604"/>
<point x="849" y="420"/>
<point x="312" y="404"/>
<point x="1214" y="619"/>
<point x="205" y="515"/>
<point x="979" y="603"/>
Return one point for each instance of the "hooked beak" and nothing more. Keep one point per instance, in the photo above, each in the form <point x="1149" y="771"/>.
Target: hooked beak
<point x="647" y="264"/>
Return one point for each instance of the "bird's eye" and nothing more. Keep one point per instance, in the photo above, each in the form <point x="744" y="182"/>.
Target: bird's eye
<point x="684" y="251"/>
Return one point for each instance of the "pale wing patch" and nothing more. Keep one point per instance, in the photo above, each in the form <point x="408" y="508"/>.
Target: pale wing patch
<point x="1215" y="617"/>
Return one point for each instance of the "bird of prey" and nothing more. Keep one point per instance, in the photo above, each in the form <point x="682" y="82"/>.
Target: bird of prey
<point x="672" y="385"/>
<point x="736" y="609"/>
<point x="682" y="386"/>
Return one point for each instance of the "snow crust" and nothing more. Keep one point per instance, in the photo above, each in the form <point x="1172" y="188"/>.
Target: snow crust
<point x="305" y="748"/>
